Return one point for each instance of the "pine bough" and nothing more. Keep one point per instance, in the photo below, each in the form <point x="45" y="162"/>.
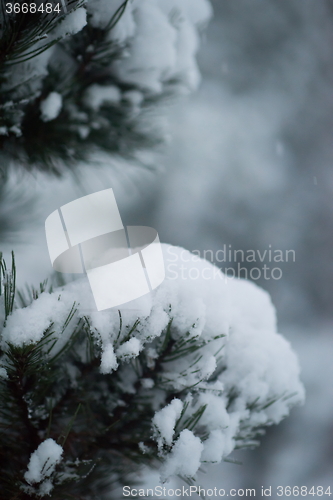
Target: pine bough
<point x="87" y="397"/>
<point x="90" y="77"/>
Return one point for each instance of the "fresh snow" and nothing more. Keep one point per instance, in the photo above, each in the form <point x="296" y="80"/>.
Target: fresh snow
<point x="165" y="420"/>
<point x="43" y="461"/>
<point x="241" y="355"/>
<point x="157" y="43"/>
<point x="108" y="360"/>
<point x="163" y="42"/>
<point x="97" y="95"/>
<point x="74" y="22"/>
<point x="28" y="325"/>
<point x="184" y="458"/>
<point x="51" y="106"/>
<point x="102" y="11"/>
<point x="147" y="383"/>
<point x="129" y="349"/>
<point x="214" y="447"/>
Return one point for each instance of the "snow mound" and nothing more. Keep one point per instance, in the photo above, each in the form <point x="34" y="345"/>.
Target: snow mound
<point x="163" y="41"/>
<point x="43" y="461"/>
<point x="216" y="367"/>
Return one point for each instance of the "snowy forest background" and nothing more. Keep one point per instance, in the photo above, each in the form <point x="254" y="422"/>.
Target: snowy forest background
<point x="248" y="164"/>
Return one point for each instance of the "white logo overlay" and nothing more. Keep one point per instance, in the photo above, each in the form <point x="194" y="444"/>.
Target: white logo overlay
<point x="87" y="236"/>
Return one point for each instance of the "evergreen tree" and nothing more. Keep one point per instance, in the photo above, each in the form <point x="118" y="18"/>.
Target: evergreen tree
<point x="87" y="398"/>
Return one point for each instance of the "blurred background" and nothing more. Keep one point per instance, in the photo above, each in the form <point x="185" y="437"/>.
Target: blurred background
<point x="249" y="164"/>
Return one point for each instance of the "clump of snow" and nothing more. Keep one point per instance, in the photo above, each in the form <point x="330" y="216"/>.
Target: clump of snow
<point x="16" y="130"/>
<point x="263" y="364"/>
<point x="164" y="422"/>
<point x="51" y="106"/>
<point x="45" y="488"/>
<point x="152" y="355"/>
<point x="108" y="360"/>
<point x="147" y="383"/>
<point x="217" y="417"/>
<point x="213" y="447"/>
<point x="97" y="95"/>
<point x="129" y="349"/>
<point x="163" y="43"/>
<point x="184" y="458"/>
<point x="152" y="52"/>
<point x="43" y="461"/>
<point x="243" y="373"/>
<point x="74" y="22"/>
<point x="102" y="11"/>
<point x="143" y="448"/>
<point x="155" y="323"/>
<point x="25" y="326"/>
